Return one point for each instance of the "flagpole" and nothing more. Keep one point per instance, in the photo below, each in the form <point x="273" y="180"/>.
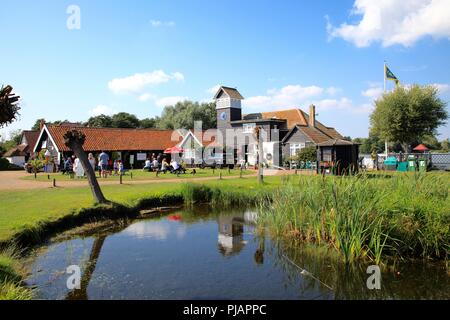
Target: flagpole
<point x="385" y="141"/>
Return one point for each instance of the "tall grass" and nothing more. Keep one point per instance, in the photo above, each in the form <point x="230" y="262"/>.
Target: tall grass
<point x="10" y="279"/>
<point x="364" y="217"/>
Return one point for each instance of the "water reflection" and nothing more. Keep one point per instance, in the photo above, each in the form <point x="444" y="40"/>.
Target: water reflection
<point x="194" y="254"/>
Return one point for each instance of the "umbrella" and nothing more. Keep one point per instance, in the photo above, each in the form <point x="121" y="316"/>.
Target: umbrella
<point x="421" y="147"/>
<point x="174" y="150"/>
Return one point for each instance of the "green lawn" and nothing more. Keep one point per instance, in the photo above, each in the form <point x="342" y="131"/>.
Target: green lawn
<point x="22" y="209"/>
<point x="143" y="176"/>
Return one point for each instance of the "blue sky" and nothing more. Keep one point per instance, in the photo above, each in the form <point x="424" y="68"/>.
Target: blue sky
<point x="137" y="56"/>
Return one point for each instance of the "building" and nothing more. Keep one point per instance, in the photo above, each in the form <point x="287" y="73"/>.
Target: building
<point x="286" y="131"/>
<point x="20" y="154"/>
<point x="132" y="146"/>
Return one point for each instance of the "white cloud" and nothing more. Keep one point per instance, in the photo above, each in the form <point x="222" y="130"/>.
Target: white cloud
<point x="159" y="23"/>
<point x="442" y="87"/>
<point x="287" y="96"/>
<point x="169" y="101"/>
<point x="213" y="90"/>
<point x="333" y="104"/>
<point x="146" y="97"/>
<point x="373" y="93"/>
<point x="393" y="22"/>
<point x="139" y="81"/>
<point x="101" y="109"/>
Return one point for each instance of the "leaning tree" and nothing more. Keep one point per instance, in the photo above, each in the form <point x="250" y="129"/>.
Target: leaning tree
<point x="75" y="139"/>
<point x="9" y="106"/>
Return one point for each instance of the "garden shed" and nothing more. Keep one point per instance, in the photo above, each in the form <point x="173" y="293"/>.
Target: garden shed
<point x="337" y="156"/>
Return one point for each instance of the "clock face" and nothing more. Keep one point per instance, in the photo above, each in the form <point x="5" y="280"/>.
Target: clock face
<point x="223" y="116"/>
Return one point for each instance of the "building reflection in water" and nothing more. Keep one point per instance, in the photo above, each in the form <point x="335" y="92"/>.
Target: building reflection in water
<point x="231" y="232"/>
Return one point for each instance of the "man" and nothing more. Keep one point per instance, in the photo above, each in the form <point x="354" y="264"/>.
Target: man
<point x="148" y="165"/>
<point x="103" y="159"/>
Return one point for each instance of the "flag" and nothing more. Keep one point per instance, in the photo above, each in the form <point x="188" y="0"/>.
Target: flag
<point x="389" y="75"/>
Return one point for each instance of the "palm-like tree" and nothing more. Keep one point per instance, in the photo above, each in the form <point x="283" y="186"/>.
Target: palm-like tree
<point x="74" y="139"/>
<point x="9" y="107"/>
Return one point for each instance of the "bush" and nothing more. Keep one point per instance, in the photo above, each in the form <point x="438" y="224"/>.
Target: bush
<point x="307" y="154"/>
<point x="4" y="164"/>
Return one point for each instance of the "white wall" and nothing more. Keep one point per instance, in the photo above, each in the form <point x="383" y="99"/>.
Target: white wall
<point x="18" y="161"/>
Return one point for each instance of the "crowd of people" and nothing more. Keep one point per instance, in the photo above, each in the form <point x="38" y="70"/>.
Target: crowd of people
<point x="159" y="164"/>
<point x="105" y="166"/>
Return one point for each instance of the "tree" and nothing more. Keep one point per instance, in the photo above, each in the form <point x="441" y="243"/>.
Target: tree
<point x="74" y="139"/>
<point x="408" y="114"/>
<point x="445" y="145"/>
<point x="9" y="106"/>
<point x="148" y="123"/>
<point x="124" y="120"/>
<point x="307" y="154"/>
<point x="101" y="121"/>
<point x="184" y="114"/>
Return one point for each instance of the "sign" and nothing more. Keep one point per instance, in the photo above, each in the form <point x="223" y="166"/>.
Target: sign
<point x="141" y="156"/>
<point x="132" y="159"/>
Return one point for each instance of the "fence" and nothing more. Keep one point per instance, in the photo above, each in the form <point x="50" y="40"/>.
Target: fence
<point x="436" y="161"/>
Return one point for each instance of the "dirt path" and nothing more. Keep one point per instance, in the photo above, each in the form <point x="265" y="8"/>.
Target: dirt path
<point x="12" y="180"/>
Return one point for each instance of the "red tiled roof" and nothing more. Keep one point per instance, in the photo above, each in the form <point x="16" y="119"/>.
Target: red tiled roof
<point x="111" y="139"/>
<point x="297" y="117"/>
<point x="31" y="137"/>
<point x="292" y="116"/>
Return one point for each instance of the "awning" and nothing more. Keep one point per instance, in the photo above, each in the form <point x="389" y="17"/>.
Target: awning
<point x="421" y="147"/>
<point x="174" y="150"/>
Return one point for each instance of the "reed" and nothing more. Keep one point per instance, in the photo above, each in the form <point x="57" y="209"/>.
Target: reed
<point x="365" y="217"/>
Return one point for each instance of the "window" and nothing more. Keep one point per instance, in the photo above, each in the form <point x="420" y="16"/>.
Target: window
<point x="44" y="144"/>
<point x="248" y="127"/>
<point x="296" y="147"/>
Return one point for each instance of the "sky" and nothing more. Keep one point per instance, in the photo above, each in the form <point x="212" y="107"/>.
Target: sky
<point x="75" y="59"/>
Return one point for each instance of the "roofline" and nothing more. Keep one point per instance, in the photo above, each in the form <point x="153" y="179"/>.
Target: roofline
<point x="297" y="126"/>
<point x="49" y="135"/>
<point x="225" y="87"/>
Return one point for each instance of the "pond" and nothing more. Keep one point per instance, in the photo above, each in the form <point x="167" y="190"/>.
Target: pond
<point x="203" y="253"/>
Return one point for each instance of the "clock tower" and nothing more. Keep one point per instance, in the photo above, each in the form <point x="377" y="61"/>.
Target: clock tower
<point x="228" y="107"/>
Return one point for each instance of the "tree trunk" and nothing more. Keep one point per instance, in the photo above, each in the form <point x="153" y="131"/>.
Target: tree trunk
<point x="89" y="271"/>
<point x="77" y="149"/>
<point x="260" y="159"/>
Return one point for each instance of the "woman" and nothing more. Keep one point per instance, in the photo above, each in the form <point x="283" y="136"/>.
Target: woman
<point x="91" y="161"/>
<point x="78" y="168"/>
<point x="164" y="165"/>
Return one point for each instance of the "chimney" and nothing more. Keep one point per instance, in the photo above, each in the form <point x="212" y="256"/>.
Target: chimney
<point x="41" y="125"/>
<point x="312" y="115"/>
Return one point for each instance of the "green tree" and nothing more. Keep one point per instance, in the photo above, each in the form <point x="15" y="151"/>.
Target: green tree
<point x="148" y="123"/>
<point x="184" y="114"/>
<point x="408" y="114"/>
<point x="124" y="120"/>
<point x="445" y="145"/>
<point x="101" y="121"/>
<point x="307" y="154"/>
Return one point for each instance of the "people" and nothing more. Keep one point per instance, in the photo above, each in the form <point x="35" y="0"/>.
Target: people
<point x="116" y="167"/>
<point x="78" y="168"/>
<point x="164" y="165"/>
<point x="103" y="160"/>
<point x="120" y="167"/>
<point x="148" y="165"/>
<point x="68" y="166"/>
<point x="155" y="163"/>
<point x="91" y="159"/>
<point x="174" y="164"/>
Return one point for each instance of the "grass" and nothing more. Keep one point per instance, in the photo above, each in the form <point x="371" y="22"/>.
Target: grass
<point x="362" y="217"/>
<point x="10" y="279"/>
<point x="140" y="175"/>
